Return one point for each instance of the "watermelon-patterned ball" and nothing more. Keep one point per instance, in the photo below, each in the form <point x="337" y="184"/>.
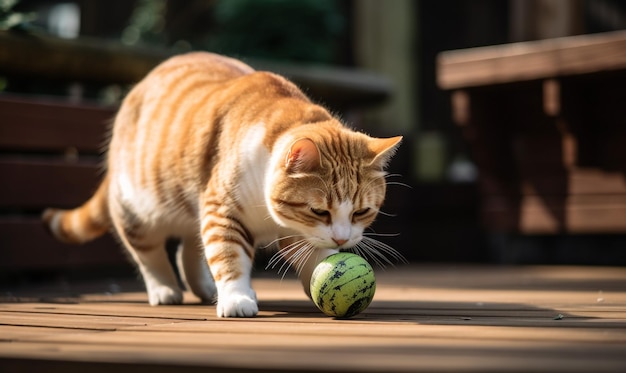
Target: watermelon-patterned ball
<point x="343" y="285"/>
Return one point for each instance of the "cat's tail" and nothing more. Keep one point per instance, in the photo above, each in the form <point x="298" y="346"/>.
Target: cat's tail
<point x="84" y="223"/>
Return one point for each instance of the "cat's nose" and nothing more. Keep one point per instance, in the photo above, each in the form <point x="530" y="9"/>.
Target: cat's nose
<point x="339" y="241"/>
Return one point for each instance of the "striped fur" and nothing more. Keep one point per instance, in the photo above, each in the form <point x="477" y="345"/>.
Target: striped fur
<point x="227" y="159"/>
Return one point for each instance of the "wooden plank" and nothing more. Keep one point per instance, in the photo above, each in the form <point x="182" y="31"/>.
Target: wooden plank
<point x="80" y="322"/>
<point x="112" y="304"/>
<point x="576" y="182"/>
<point x="534" y="60"/>
<point x="11" y="333"/>
<point x="37" y="184"/>
<point x="429" y="356"/>
<point x="589" y="217"/>
<point x="552" y="214"/>
<point x="424" y="318"/>
<point x="334" y="351"/>
<point x="92" y="60"/>
<point x="53" y="125"/>
<point x="101" y="61"/>
<point x="26" y="245"/>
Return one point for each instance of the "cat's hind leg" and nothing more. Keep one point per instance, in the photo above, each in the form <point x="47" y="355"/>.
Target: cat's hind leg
<point x="147" y="247"/>
<point x="194" y="270"/>
<point x="158" y="275"/>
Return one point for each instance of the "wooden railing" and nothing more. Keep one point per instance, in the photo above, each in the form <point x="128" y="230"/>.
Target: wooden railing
<point x="49" y="157"/>
<point x="547" y="124"/>
<point x="101" y="61"/>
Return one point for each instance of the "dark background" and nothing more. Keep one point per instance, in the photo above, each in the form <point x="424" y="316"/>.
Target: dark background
<point x="437" y="218"/>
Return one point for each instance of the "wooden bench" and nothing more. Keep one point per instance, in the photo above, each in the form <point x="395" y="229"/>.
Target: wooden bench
<point x="546" y="121"/>
<point x="49" y="156"/>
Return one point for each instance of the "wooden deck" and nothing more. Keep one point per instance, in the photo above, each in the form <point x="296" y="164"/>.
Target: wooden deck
<point x="423" y="318"/>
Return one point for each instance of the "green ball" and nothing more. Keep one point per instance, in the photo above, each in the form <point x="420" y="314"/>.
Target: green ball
<point x="343" y="285"/>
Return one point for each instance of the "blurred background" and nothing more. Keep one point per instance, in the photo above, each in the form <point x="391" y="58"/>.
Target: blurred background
<point x="376" y="64"/>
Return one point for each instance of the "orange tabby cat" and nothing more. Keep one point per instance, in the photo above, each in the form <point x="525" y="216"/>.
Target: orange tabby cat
<point x="227" y="159"/>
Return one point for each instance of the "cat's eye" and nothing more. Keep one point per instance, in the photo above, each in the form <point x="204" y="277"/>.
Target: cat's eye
<point x="320" y="212"/>
<point x="361" y="212"/>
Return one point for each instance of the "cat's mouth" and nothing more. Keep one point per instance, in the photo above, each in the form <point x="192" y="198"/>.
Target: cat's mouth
<point x="336" y="244"/>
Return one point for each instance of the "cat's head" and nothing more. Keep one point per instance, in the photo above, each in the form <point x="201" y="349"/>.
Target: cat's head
<point x="328" y="184"/>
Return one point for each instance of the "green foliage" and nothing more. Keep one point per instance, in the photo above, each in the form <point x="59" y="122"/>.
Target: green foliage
<point x="292" y="30"/>
<point x="9" y="19"/>
<point x="278" y="29"/>
<point x="146" y="23"/>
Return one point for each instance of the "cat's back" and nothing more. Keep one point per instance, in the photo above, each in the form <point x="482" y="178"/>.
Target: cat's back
<point x="180" y="85"/>
<point x="195" y="84"/>
<point x="193" y="104"/>
<point x="154" y="137"/>
<point x="209" y="65"/>
<point x="174" y="94"/>
<point x="171" y="126"/>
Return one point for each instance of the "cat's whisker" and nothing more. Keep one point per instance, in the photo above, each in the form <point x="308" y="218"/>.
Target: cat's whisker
<point x="367" y="186"/>
<point x="287" y="262"/>
<point x="399" y="183"/>
<point x="279" y="257"/>
<point x="392" y="175"/>
<point x="301" y="251"/>
<point x="379" y="258"/>
<point x="311" y="252"/>
<point x="279" y="239"/>
<point x="380" y="246"/>
<point x="295" y="254"/>
<point x="304" y="260"/>
<point x="379" y="252"/>
<point x="366" y="254"/>
<point x="304" y="257"/>
<point x="387" y="182"/>
<point x="282" y="254"/>
<point x="387" y="214"/>
<point x="388" y="250"/>
<point x="381" y="234"/>
<point x="388" y="176"/>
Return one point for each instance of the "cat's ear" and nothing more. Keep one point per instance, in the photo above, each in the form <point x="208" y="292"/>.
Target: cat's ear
<point x="383" y="150"/>
<point x="303" y="156"/>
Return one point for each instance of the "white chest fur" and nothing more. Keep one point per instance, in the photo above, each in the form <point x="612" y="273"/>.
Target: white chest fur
<point x="254" y="161"/>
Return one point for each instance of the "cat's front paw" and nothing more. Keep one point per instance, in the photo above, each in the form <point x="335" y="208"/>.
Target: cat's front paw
<point x="158" y="295"/>
<point x="237" y="304"/>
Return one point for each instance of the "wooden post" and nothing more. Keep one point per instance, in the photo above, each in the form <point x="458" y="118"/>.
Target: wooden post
<point x="385" y="42"/>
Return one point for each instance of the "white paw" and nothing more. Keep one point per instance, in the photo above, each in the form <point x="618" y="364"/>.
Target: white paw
<point x="235" y="304"/>
<point x="164" y="295"/>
